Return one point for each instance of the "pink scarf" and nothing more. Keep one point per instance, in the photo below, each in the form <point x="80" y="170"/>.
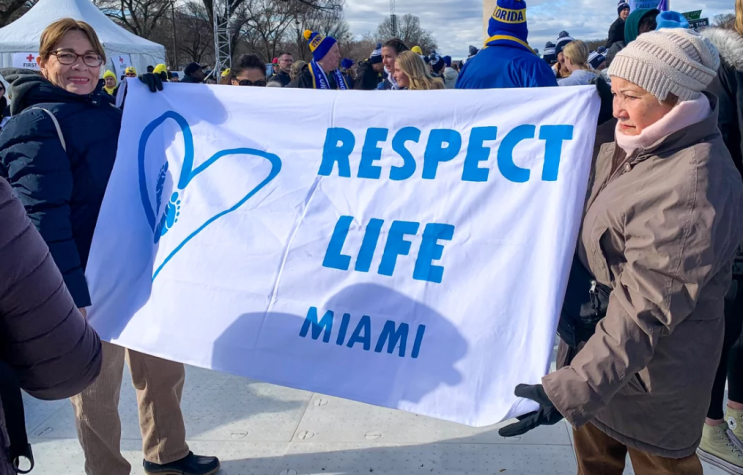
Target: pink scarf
<point x="683" y="115"/>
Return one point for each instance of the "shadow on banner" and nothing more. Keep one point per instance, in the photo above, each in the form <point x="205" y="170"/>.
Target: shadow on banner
<point x="378" y="372"/>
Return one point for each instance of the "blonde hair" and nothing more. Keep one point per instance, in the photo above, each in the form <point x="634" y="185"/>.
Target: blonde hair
<point x="739" y="16"/>
<point x="296" y="70"/>
<point x="577" y="52"/>
<point x="415" y="69"/>
<point x="54" y="33"/>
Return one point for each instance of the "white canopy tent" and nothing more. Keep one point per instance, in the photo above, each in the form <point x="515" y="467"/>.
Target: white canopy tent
<point x="19" y="41"/>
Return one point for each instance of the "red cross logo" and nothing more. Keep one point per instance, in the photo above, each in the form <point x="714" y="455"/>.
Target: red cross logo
<point x="30" y="58"/>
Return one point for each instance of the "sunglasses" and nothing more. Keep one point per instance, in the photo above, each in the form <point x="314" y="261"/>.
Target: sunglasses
<point x="246" y="82"/>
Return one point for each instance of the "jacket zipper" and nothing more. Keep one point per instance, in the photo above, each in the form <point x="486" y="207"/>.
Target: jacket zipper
<point x="631" y="160"/>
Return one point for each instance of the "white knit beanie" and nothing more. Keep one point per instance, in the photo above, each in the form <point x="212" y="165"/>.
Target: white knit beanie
<point x="676" y="61"/>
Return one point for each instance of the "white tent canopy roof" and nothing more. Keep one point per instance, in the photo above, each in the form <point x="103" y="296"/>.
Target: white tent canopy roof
<point x="23" y="35"/>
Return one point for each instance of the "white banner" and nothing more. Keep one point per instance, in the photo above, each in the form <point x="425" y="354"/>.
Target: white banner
<point x="404" y="249"/>
<point x="121" y="62"/>
<point x="26" y="60"/>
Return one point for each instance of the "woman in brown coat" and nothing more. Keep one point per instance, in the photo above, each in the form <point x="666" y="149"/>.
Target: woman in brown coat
<point x="50" y="347"/>
<point x="660" y="230"/>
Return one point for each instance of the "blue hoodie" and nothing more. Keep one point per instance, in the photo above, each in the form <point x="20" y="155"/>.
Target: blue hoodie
<point x="505" y="66"/>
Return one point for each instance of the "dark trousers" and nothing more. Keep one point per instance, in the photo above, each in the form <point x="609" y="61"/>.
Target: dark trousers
<point x="599" y="454"/>
<point x="731" y="362"/>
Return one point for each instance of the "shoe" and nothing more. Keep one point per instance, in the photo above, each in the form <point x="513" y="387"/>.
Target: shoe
<point x="734" y="418"/>
<point x="717" y="449"/>
<point x="189" y="465"/>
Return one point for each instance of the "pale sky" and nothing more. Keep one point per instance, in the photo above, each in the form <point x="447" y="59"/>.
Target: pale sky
<point x="456" y="24"/>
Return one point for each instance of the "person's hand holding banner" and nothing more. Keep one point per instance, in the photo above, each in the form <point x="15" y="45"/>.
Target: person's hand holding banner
<point x="546" y="415"/>
<point x="153" y="81"/>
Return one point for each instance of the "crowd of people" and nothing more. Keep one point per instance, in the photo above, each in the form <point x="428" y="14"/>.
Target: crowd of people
<point x="650" y="334"/>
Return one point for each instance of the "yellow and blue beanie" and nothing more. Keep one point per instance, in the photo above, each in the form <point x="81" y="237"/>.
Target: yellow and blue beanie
<point x="319" y="44"/>
<point x="508" y="23"/>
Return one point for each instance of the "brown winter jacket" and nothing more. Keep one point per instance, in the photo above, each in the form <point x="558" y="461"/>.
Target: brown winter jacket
<point x="661" y="230"/>
<point x="54" y="352"/>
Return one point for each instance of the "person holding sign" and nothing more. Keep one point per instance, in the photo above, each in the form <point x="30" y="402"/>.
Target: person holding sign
<point x="58" y="154"/>
<point x="507" y="60"/>
<point x="660" y="230"/>
<point x="322" y="72"/>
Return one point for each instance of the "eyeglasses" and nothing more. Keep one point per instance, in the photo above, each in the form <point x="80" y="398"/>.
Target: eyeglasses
<point x="68" y="57"/>
<point x="131" y="75"/>
<point x="258" y="83"/>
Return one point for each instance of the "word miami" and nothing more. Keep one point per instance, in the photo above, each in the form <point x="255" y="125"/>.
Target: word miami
<point x="393" y="336"/>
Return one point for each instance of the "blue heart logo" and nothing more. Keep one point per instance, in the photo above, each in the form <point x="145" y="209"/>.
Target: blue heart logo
<point x="172" y="209"/>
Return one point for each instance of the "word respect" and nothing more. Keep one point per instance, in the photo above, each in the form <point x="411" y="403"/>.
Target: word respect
<point x="443" y="145"/>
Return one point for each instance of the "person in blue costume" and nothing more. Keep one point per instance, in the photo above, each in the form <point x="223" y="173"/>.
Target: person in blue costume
<point x="507" y="61"/>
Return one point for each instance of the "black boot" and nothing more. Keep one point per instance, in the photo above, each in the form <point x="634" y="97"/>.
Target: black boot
<point x="189" y="465"/>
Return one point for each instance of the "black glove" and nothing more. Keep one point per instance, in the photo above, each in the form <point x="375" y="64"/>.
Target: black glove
<point x="153" y="81"/>
<point x="546" y="415"/>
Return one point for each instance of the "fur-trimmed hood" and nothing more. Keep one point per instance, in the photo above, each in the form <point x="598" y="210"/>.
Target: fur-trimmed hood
<point x="730" y="45"/>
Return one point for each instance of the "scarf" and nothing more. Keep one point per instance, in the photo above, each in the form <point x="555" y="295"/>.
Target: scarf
<point x="507" y="39"/>
<point x="320" y="79"/>
<point x="109" y="90"/>
<point x="391" y="79"/>
<point x="683" y="115"/>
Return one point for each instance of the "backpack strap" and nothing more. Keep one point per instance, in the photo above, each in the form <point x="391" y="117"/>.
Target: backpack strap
<point x="15" y="421"/>
<point x="56" y="125"/>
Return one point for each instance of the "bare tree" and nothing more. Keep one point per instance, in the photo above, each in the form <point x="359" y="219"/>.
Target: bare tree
<point x="141" y="17"/>
<point x="328" y="21"/>
<point x="11" y="10"/>
<point x="593" y="45"/>
<point x="409" y="31"/>
<point x="725" y="20"/>
<point x="195" y="33"/>
<point x="361" y="49"/>
<point x="263" y="25"/>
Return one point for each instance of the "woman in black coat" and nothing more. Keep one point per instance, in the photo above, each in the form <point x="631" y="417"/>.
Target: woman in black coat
<point x="58" y="152"/>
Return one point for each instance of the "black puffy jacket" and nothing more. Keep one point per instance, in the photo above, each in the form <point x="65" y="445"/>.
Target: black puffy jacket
<point x="61" y="191"/>
<point x="616" y="32"/>
<point x="368" y="79"/>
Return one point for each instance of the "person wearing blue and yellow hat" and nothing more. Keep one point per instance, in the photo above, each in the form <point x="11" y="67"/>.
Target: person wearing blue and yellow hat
<point x="322" y="72"/>
<point x="507" y="60"/>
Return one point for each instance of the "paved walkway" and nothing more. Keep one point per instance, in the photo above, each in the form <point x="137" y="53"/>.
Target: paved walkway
<point x="261" y="429"/>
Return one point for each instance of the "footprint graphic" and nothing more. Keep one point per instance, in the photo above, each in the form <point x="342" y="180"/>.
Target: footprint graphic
<point x="172" y="209"/>
<point x="169" y="217"/>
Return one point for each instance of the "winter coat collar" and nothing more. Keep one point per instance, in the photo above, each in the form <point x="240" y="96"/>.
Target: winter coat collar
<point x="685" y="114"/>
<point x="686" y="137"/>
<point x="28" y="88"/>
<point x="730" y="45"/>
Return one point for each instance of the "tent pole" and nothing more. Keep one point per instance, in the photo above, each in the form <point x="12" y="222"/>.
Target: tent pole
<point x="175" y="38"/>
